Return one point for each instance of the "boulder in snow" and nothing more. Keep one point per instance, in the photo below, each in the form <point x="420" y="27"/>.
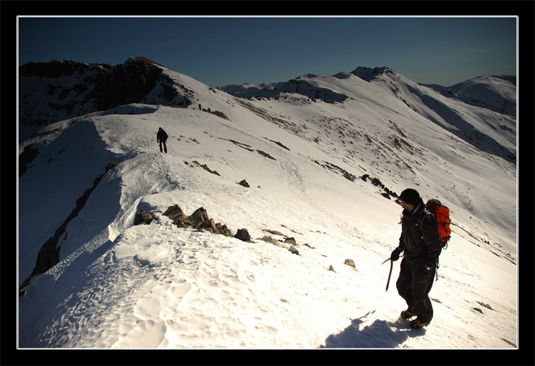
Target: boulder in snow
<point x="243" y="235"/>
<point x="290" y="241"/>
<point x="293" y="250"/>
<point x="143" y="218"/>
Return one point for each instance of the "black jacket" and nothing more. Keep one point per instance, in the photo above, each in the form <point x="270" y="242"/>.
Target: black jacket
<point x="161" y="136"/>
<point x="419" y="238"/>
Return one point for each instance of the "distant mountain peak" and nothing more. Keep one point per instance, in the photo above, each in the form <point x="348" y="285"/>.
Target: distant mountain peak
<point x="368" y="74"/>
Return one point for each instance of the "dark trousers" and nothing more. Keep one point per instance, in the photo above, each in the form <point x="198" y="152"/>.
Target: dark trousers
<point x="415" y="288"/>
<point x="164" y="145"/>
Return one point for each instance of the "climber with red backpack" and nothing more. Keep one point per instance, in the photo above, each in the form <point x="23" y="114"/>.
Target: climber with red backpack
<point x="424" y="233"/>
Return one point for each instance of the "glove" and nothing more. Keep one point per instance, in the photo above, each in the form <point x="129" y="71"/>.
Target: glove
<point x="395" y="254"/>
<point x="426" y="270"/>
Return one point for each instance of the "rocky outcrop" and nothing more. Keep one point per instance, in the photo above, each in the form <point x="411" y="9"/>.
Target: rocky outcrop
<point x="198" y="220"/>
<point x="143" y="218"/>
<point x="204" y="166"/>
<point x="126" y="83"/>
<point x="57" y="90"/>
<point x="369" y="74"/>
<point x="175" y="213"/>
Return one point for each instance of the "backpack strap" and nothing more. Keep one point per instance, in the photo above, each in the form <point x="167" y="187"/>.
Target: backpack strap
<point x="425" y="212"/>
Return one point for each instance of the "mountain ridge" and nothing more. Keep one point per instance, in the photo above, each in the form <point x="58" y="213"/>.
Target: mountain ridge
<point x="98" y="87"/>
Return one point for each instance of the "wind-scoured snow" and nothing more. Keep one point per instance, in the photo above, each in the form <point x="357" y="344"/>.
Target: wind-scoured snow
<point x="159" y="286"/>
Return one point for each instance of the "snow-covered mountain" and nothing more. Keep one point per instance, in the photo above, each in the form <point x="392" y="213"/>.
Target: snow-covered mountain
<point x="497" y="93"/>
<point x="492" y="132"/>
<point x="322" y="157"/>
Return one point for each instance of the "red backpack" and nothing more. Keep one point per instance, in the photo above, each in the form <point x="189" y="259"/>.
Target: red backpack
<point x="442" y="214"/>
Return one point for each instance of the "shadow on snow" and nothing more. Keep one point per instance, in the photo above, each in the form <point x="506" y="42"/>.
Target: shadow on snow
<point x="379" y="334"/>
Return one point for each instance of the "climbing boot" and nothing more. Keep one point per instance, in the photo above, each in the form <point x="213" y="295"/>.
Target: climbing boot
<point x="419" y="323"/>
<point x="407" y="314"/>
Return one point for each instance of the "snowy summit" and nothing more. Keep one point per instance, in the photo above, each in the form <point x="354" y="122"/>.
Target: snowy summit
<point x="297" y="183"/>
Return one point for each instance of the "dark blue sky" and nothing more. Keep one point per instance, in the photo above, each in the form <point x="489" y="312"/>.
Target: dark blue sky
<point x="234" y="50"/>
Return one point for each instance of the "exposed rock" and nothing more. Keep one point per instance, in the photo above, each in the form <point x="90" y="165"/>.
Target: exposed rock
<point x="208" y="225"/>
<point x="26" y="157"/>
<point x="205" y="167"/>
<point x="265" y="154"/>
<point x="336" y="169"/>
<point x="269" y="239"/>
<point x="126" y="83"/>
<point x="198" y="219"/>
<point x="215" y="228"/>
<point x="274" y="232"/>
<point x="143" y="218"/>
<point x="199" y="216"/>
<point x="293" y="250"/>
<point x="377" y="183"/>
<point x="290" y="241"/>
<point x="223" y="229"/>
<point x="331" y="268"/>
<point x="350" y="262"/>
<point x="110" y="166"/>
<point x="485" y="305"/>
<point x="244" y="183"/>
<point x="97" y="87"/>
<point x="278" y="143"/>
<point x="243" y="235"/>
<point x="175" y="213"/>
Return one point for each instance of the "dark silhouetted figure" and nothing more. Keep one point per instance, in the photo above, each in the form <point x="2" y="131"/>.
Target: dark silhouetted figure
<point x="161" y="137"/>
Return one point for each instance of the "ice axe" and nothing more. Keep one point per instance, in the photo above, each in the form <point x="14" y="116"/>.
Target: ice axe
<point x="389" y="273"/>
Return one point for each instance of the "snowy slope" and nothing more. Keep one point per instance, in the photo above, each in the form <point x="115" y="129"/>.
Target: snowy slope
<point x="487" y="130"/>
<point x="497" y="93"/>
<point x="159" y="286"/>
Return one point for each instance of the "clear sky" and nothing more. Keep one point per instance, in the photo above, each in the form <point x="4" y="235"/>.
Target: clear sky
<point x="236" y="50"/>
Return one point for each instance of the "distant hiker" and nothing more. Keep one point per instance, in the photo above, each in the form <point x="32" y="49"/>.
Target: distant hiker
<point x="421" y="245"/>
<point x="161" y="137"/>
